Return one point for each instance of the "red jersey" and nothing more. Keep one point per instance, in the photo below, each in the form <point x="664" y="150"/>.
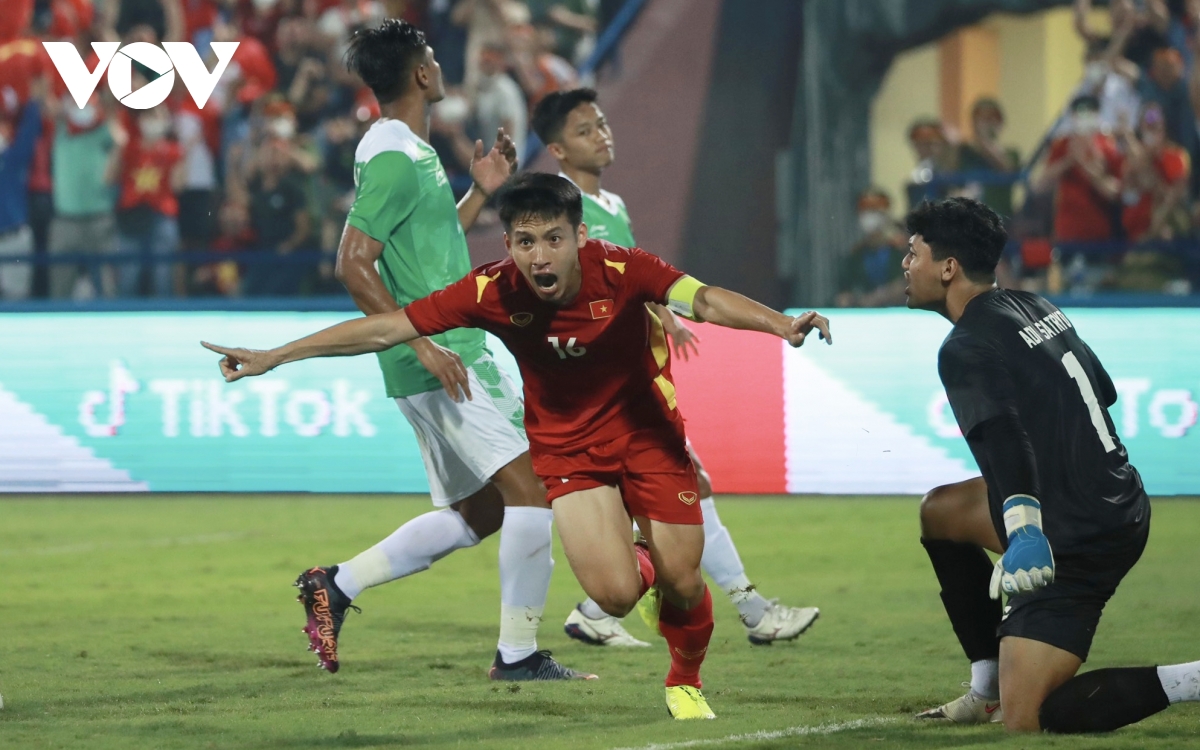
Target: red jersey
<point x="15" y="20"/>
<point x="146" y="176"/>
<point x="1173" y="166"/>
<point x="22" y="62"/>
<point x="70" y="18"/>
<point x="198" y="15"/>
<point x="594" y="370"/>
<point x="1081" y="214"/>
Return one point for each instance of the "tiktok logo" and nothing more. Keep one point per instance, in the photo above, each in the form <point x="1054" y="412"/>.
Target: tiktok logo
<point x="120" y="384"/>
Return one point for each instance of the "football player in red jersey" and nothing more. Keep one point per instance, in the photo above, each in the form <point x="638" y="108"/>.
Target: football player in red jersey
<point x="605" y="434"/>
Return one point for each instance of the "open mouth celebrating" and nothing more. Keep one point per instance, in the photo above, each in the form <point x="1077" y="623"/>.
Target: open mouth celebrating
<point x="547" y="283"/>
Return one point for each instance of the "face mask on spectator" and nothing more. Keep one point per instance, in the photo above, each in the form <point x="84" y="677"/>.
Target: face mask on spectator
<point x="871" y="222"/>
<point x="153" y="128"/>
<point x="1086" y="123"/>
<point x="82" y="119"/>
<point x="282" y="127"/>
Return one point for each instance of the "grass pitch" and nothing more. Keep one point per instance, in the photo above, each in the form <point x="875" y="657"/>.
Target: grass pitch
<point x="169" y="622"/>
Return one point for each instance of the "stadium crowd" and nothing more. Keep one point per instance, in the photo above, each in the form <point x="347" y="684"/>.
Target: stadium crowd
<point x="1107" y="203"/>
<point x="247" y="195"/>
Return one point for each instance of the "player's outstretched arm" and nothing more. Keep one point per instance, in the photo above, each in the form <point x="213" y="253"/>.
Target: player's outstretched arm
<point x="374" y="333"/>
<point x="722" y="307"/>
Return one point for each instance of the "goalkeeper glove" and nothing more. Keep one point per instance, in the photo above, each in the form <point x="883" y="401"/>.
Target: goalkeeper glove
<point x="1028" y="564"/>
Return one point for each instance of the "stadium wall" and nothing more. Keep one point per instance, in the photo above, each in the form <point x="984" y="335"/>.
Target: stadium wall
<point x="130" y="402"/>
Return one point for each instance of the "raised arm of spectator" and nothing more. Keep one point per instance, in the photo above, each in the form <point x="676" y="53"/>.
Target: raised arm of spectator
<point x="108" y="10"/>
<point x="310" y="70"/>
<point x="521" y="58"/>
<point x="1114" y="53"/>
<point x="488" y="174"/>
<point x="564" y="16"/>
<point x="1157" y="15"/>
<point x="176" y="29"/>
<point x="1082" y="9"/>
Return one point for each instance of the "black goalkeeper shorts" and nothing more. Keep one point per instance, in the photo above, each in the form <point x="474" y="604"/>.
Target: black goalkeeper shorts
<point x="1065" y="613"/>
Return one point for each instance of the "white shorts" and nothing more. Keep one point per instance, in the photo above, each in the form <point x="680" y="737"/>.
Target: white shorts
<point x="464" y="444"/>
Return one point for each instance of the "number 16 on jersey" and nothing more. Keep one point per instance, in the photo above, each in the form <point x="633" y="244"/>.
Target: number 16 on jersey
<point x="570" y="350"/>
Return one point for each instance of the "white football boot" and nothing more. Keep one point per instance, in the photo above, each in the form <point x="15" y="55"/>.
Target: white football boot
<point x="781" y="623"/>
<point x="606" y="631"/>
<point x="971" y="708"/>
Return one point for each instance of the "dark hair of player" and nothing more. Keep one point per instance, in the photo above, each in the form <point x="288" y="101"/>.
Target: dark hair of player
<point x="541" y="195"/>
<point x="385" y="56"/>
<point x="963" y="229"/>
<point x="550" y="117"/>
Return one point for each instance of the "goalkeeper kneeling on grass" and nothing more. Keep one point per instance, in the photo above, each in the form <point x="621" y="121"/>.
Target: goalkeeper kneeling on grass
<point x="1058" y="499"/>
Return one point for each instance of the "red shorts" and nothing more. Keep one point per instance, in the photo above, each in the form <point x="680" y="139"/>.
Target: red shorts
<point x="651" y="468"/>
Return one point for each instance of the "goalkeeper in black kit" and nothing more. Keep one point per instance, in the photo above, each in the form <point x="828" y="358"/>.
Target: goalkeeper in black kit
<point x="1058" y="499"/>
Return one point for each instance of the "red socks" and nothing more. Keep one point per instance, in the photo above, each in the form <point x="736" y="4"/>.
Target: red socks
<point x="645" y="567"/>
<point x="687" y="634"/>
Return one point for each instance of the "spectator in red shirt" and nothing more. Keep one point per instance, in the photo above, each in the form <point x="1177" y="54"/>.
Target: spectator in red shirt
<point x="222" y="278"/>
<point x="69" y="18"/>
<point x="198" y="19"/>
<point x="1084" y="170"/>
<point x="15" y="20"/>
<point x="151" y="174"/>
<point x="1155" y="182"/>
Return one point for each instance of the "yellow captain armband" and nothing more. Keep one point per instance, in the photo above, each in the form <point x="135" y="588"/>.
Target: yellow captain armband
<point x="682" y="295"/>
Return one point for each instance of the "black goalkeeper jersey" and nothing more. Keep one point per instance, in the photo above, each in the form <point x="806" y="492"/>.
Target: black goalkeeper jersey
<point x="1014" y="353"/>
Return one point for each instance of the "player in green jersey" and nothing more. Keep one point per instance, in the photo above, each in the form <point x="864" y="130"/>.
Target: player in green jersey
<point x="404" y="239"/>
<point x="576" y="133"/>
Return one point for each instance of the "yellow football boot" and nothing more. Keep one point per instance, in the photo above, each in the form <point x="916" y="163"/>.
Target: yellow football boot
<point x="685" y="702"/>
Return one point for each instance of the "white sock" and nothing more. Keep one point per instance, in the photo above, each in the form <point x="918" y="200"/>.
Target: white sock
<point x="525" y="568"/>
<point x="1181" y="682"/>
<point x="592" y="611"/>
<point x="985" y="679"/>
<point x="722" y="564"/>
<point x="409" y="549"/>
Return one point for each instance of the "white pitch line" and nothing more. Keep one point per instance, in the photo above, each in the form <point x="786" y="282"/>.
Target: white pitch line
<point x="778" y="734"/>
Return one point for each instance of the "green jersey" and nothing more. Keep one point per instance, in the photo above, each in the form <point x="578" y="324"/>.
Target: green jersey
<point x="403" y="199"/>
<point x="607" y="219"/>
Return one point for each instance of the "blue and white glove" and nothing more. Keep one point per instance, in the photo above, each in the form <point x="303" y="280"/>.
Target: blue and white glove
<point x="1028" y="564"/>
